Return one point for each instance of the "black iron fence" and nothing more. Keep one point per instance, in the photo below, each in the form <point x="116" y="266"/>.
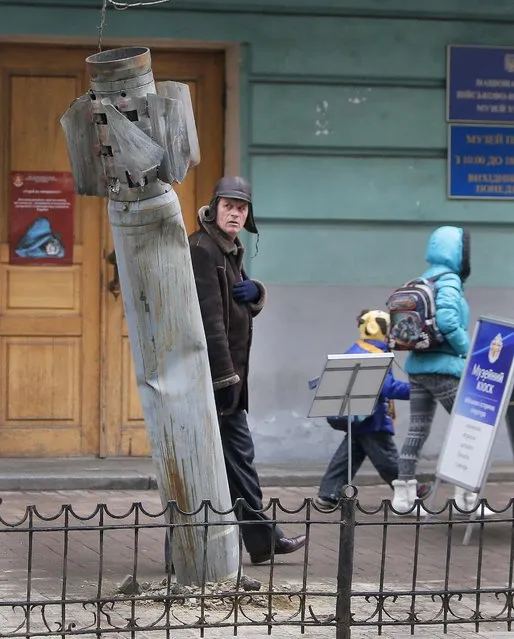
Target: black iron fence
<point x="102" y="574"/>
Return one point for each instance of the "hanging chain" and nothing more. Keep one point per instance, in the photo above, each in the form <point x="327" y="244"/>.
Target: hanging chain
<point x="120" y="6"/>
<point x="103" y="14"/>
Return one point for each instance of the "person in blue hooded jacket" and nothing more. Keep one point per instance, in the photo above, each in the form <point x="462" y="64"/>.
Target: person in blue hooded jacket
<point x="434" y="374"/>
<point x="372" y="436"/>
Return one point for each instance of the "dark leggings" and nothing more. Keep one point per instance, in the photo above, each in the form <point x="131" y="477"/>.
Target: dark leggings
<point x="425" y="392"/>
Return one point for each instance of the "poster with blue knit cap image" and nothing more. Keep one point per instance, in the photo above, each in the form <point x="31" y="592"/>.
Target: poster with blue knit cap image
<point x="41" y="218"/>
<point x="40" y="241"/>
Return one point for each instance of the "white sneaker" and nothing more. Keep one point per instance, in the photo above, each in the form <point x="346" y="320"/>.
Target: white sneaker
<point x="400" y="501"/>
<point x="412" y="490"/>
<point x="483" y="511"/>
<point x="466" y="501"/>
<point x="405" y="495"/>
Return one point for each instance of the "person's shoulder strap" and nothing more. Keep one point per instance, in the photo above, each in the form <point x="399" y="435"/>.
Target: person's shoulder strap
<point x="454" y="282"/>
<point x="437" y="277"/>
<point x="371" y="348"/>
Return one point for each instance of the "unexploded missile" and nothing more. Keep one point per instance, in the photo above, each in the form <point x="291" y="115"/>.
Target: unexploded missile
<point x="128" y="140"/>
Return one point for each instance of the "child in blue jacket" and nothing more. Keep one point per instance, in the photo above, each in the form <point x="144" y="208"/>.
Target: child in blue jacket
<point x="372" y="436"/>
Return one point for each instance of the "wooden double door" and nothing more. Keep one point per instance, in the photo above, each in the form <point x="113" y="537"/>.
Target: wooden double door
<point x="67" y="384"/>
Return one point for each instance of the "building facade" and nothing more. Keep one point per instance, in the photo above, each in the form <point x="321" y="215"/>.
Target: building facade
<point x="336" y="112"/>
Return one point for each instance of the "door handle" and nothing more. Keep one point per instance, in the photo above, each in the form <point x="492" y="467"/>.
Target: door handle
<point x="114" y="285"/>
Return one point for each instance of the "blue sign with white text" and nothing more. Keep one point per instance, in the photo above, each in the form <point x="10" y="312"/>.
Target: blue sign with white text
<point x="480" y="84"/>
<point x="484" y="383"/>
<point x="481" y="161"/>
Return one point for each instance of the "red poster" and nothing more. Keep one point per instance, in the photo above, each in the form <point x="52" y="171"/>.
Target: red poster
<point x="41" y="217"/>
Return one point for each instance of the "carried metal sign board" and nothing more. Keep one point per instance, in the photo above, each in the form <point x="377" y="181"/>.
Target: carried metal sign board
<point x="350" y="385"/>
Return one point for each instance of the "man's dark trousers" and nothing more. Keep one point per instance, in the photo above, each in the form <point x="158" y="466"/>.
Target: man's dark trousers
<point x="243" y="482"/>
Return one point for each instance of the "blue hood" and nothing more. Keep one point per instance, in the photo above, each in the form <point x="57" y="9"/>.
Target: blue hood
<point x="448" y="247"/>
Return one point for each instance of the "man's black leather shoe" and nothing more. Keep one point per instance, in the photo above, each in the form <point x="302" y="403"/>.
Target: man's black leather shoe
<point x="283" y="546"/>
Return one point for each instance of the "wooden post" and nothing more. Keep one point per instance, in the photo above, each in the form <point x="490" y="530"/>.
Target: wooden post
<point x="129" y="143"/>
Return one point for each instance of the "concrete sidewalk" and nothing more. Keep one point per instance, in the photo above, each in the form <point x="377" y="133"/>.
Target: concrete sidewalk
<point x="137" y="473"/>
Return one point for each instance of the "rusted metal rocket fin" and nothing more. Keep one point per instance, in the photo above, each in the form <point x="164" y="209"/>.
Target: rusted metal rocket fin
<point x="180" y="91"/>
<point x="170" y="131"/>
<point x="137" y="151"/>
<point x="82" y="144"/>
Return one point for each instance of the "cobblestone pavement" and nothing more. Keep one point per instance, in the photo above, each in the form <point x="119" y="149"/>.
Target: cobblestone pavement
<point x="442" y="563"/>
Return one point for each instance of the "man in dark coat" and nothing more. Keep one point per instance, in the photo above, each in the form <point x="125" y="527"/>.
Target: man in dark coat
<point x="229" y="301"/>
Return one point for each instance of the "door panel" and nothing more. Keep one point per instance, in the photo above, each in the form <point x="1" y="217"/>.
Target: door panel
<point x="124" y="432"/>
<point x="67" y="383"/>
<point x="49" y="329"/>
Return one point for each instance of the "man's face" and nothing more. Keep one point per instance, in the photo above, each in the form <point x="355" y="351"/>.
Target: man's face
<point x="231" y="215"/>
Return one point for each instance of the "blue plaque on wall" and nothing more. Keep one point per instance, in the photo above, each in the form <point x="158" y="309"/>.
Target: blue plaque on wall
<point x="480" y="84"/>
<point x="481" y="162"/>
